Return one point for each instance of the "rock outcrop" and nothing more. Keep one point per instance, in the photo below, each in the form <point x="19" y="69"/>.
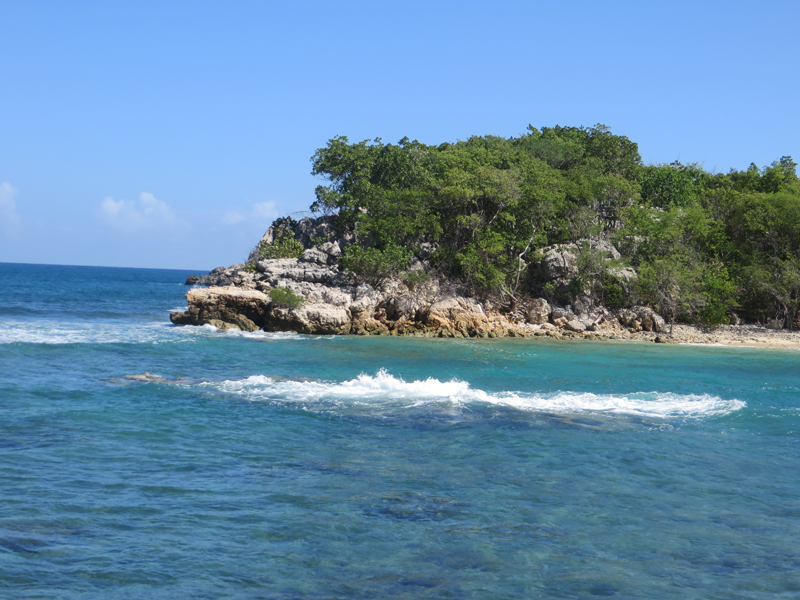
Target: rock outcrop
<point x="328" y="302"/>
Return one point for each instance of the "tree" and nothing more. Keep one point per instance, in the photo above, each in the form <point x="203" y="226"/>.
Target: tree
<point x="375" y="266"/>
<point x="666" y="185"/>
<point x="671" y="286"/>
<point x="780" y="279"/>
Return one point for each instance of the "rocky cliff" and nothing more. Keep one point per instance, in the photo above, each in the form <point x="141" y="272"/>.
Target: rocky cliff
<point x="329" y="302"/>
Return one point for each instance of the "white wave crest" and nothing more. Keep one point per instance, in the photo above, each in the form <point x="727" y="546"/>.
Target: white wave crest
<point x="385" y="390"/>
<point x="115" y="332"/>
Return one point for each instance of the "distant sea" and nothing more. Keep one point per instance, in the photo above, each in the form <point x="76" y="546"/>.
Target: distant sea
<point x="273" y="465"/>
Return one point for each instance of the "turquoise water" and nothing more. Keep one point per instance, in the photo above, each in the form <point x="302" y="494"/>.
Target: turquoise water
<point x="285" y="466"/>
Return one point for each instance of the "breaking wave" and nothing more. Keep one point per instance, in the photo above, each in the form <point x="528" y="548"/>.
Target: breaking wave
<point x="386" y="391"/>
<point x="114" y="332"/>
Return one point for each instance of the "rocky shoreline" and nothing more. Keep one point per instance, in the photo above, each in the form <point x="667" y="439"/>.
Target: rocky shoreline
<point x="328" y="302"/>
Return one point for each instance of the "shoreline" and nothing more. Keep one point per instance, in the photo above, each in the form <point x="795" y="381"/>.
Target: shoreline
<point x="312" y="293"/>
<point x="729" y="336"/>
<point x="740" y="336"/>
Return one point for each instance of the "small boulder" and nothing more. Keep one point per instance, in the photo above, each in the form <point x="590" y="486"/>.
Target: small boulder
<point x="575" y="325"/>
<point x="539" y="312"/>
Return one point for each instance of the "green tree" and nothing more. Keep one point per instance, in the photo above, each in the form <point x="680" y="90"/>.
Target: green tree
<point x="671" y="286"/>
<point x="285" y="298"/>
<point x="780" y="279"/>
<point x="375" y="266"/>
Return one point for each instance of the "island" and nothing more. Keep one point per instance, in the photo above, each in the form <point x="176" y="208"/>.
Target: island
<point x="559" y="232"/>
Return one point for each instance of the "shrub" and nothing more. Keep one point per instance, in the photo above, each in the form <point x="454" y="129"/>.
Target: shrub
<point x="413" y="278"/>
<point x="283" y="245"/>
<point x="285" y="298"/>
<point x="375" y="266"/>
<point x="613" y="293"/>
<point x="549" y="292"/>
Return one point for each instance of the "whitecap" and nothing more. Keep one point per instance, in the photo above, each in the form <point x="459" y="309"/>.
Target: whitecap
<point x="384" y="390"/>
<point x="90" y="332"/>
<point x="116" y="332"/>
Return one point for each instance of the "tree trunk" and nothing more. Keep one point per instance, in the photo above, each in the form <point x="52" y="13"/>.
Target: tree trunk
<point x="790" y="317"/>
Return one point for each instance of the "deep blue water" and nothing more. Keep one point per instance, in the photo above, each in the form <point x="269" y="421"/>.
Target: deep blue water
<point x="285" y="466"/>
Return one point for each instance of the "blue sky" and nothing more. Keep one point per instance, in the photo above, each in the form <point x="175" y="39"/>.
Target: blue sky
<point x="170" y="134"/>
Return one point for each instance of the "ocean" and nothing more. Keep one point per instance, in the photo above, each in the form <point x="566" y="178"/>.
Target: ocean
<point x="276" y="465"/>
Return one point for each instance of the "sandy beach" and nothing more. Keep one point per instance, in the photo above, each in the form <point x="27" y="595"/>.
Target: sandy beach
<point x="742" y="336"/>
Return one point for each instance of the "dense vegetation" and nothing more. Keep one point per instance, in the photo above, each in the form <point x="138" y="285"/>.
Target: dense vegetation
<point x="704" y="244"/>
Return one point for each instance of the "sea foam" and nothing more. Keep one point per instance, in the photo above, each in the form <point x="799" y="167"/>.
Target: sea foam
<point x="385" y="390"/>
<point x="116" y="332"/>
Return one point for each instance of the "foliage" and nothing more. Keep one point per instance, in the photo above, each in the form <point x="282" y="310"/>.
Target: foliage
<point x="412" y="279"/>
<point x="285" y="298"/>
<point x="283" y="245"/>
<point x="665" y="186"/>
<point x="375" y="266"/>
<point x="613" y="292"/>
<point x="703" y="242"/>
<point x="719" y="294"/>
<point x="671" y="286"/>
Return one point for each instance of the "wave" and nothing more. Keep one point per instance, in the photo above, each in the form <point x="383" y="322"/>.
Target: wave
<point x="99" y="332"/>
<point x="386" y="391"/>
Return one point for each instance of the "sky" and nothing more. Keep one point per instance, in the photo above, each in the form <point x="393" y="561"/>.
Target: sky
<point x="171" y="134"/>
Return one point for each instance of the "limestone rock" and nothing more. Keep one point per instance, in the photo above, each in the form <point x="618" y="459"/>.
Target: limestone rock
<point x="457" y="317"/>
<point x="642" y="317"/>
<point x="332" y="250"/>
<point x="575" y="325"/>
<point x="399" y="307"/>
<point x="559" y="262"/>
<point x="239" y="297"/>
<point x="539" y="311"/>
<point x="311" y="318"/>
<point x="308" y="230"/>
<point x="224" y="307"/>
<point x="277" y="270"/>
<point x="315" y="256"/>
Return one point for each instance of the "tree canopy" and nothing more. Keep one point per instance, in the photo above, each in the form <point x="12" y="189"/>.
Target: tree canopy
<point x="704" y="244"/>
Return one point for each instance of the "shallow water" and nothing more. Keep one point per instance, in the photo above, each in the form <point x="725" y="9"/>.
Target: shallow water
<point x="287" y="466"/>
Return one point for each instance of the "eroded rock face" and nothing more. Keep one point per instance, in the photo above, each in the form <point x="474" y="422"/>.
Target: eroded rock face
<point x="311" y="318"/>
<point x="224" y="307"/>
<point x="559" y="263"/>
<point x="458" y="317"/>
<point x="308" y="230"/>
<point x="278" y="271"/>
